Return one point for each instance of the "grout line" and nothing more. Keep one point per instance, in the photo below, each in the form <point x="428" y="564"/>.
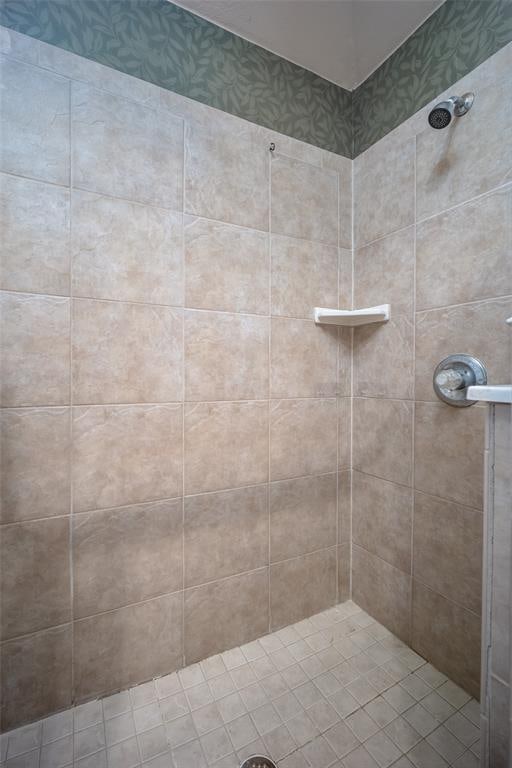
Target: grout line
<point x="183" y="379"/>
<point x="269" y="468"/>
<point x="413" y="431"/>
<point x="351" y="411"/>
<point x="337" y="572"/>
<point x="71" y="437"/>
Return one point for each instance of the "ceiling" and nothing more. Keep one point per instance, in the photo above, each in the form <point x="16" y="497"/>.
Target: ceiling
<point x="341" y="40"/>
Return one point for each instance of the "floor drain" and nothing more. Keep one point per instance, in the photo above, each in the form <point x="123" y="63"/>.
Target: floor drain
<point x="258" y="761"/>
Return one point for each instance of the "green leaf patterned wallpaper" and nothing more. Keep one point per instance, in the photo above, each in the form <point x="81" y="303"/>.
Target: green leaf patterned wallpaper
<point x="458" y="37"/>
<point x="166" y="45"/>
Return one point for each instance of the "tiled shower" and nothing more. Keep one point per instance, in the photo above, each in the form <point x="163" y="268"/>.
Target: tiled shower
<point x="190" y="464"/>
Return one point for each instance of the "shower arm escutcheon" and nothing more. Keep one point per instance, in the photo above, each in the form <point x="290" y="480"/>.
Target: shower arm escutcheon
<point x="454" y="375"/>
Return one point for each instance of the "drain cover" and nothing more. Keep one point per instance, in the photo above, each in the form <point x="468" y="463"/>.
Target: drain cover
<point x="258" y="761"/>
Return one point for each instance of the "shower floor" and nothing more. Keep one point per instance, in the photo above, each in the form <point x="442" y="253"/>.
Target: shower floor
<point x="335" y="690"/>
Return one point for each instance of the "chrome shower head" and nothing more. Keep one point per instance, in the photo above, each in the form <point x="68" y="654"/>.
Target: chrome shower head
<point x="442" y="114"/>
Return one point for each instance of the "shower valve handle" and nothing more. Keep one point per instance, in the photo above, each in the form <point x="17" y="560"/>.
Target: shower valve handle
<point x="450" y="379"/>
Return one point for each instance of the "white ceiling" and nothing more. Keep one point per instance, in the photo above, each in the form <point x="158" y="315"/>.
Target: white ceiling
<point x="341" y="40"/>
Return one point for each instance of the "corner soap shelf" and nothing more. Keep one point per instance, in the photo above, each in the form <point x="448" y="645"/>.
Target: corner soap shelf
<point x="352" y="317"/>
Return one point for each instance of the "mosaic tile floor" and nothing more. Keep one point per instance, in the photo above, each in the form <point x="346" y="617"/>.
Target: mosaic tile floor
<point x="337" y="690"/>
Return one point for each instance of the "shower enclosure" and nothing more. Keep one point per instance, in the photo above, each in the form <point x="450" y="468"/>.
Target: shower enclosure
<point x="236" y="518"/>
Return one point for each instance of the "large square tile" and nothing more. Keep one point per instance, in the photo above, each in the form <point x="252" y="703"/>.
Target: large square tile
<point x="36" y="584"/>
<point x="226" y="356"/>
<point x="140" y="357"/>
<point x="34" y="221"/>
<point x="226" y="445"/>
<point x="231" y="527"/>
<point x="124" y="149"/>
<point x="302" y="515"/>
<point x="126" y="251"/>
<point x="126" y="454"/>
<point x="36" y="676"/>
<point x="224" y="614"/>
<point x="34" y="347"/>
<point x="382" y="438"/>
<point x="302" y="586"/>
<point x="35" y="123"/>
<point x="382" y="519"/>
<point x="126" y="555"/>
<point x="34" y="463"/>
<point x="303" y="437"/>
<point x="227" y="267"/>
<point x="226" y="175"/>
<point x="304" y="276"/>
<point x="304" y="200"/>
<point x="111" y="649"/>
<point x="303" y="359"/>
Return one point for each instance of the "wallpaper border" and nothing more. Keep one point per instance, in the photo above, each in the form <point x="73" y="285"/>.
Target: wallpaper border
<point x="456" y="38"/>
<point x="164" y="44"/>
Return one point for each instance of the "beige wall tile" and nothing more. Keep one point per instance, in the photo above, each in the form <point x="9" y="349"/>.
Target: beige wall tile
<point x="34" y="463"/>
<point x="34" y="348"/>
<point x="35" y="575"/>
<point x="345" y="356"/>
<point x="34" y="123"/>
<point x="227" y="267"/>
<point x="344" y="432"/>
<point x="126" y="454"/>
<point x="226" y="356"/>
<point x="479" y="266"/>
<point x="469" y="157"/>
<point x="384" y="359"/>
<point x="303" y="359"/>
<point x="382" y="438"/>
<point x="302" y="516"/>
<point x="225" y="533"/>
<point x="383" y="189"/>
<point x="302" y="586"/>
<point x="36" y="676"/>
<point x="126" y="251"/>
<point x="126" y="555"/>
<point x="303" y="437"/>
<point x="382" y="590"/>
<point x="382" y="519"/>
<point x="476" y="329"/>
<point x="344" y="570"/>
<point x="304" y="200"/>
<point x="343" y="167"/>
<point x="224" y="614"/>
<point x="448" y="635"/>
<point x="226" y="174"/>
<point x="448" y="549"/>
<point x="125" y="149"/>
<point x="304" y="276"/>
<point x="449" y="452"/>
<point x="226" y="445"/>
<point x="384" y="273"/>
<point x="139" y="358"/>
<point x="34" y="221"/>
<point x="344" y="506"/>
<point x="19" y="46"/>
<point x="111" y="650"/>
<point x="345" y="279"/>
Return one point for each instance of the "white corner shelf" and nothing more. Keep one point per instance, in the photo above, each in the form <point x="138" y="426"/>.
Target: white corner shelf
<point x="352" y="317"/>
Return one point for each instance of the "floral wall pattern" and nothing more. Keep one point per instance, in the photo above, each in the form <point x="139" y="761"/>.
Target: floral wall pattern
<point x="458" y="37"/>
<point x="174" y="49"/>
<point x="166" y="45"/>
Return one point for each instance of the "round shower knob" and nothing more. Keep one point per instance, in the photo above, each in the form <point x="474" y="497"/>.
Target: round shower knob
<point x="454" y="375"/>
